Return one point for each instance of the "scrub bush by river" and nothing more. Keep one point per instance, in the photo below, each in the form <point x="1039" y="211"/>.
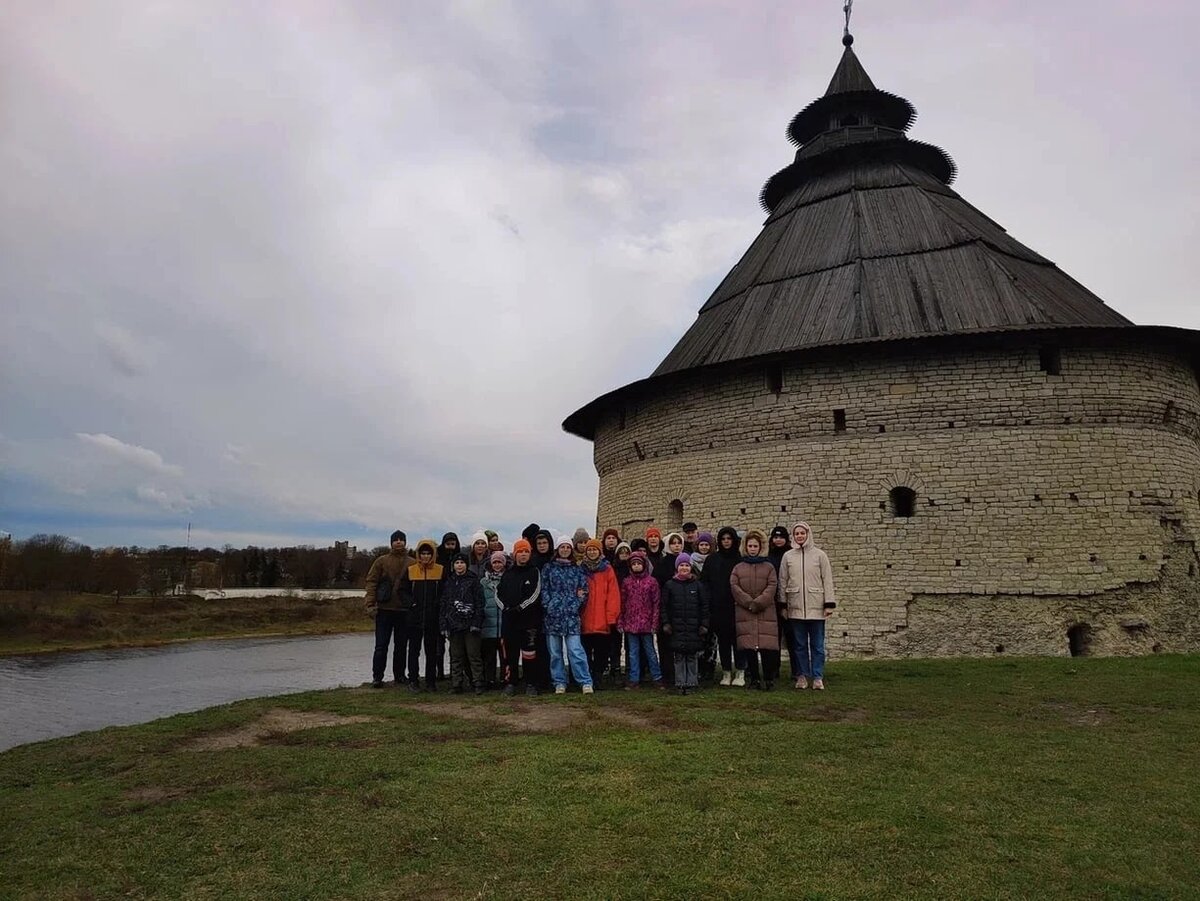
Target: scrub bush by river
<point x="41" y="621"/>
<point x="1005" y="778"/>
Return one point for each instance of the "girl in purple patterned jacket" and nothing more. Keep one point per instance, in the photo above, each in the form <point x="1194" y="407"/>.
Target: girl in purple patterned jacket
<point x="639" y="619"/>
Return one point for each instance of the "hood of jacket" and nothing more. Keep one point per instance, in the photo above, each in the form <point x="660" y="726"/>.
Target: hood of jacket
<point x="809" y="542"/>
<point x="762" y="546"/>
<point x="426" y="542"/>
<point x="736" y="550"/>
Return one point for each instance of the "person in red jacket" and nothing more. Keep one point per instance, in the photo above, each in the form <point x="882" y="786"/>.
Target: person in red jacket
<point x="602" y="610"/>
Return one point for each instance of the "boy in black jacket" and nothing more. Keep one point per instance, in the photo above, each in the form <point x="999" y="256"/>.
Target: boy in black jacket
<point x="461" y="621"/>
<point x="519" y="594"/>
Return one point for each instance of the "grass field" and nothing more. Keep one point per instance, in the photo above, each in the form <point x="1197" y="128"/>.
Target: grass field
<point x="31" y="622"/>
<point x="1010" y="778"/>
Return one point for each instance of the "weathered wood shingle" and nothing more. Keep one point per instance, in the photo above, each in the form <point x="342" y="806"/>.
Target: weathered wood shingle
<point x="870" y="242"/>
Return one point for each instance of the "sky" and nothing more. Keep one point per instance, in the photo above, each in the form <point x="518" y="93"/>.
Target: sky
<point x="297" y="272"/>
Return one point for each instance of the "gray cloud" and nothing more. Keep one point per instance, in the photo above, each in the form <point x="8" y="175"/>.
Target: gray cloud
<point x="348" y="267"/>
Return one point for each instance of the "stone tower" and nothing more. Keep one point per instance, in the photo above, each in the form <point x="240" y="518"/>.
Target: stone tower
<point x="996" y="461"/>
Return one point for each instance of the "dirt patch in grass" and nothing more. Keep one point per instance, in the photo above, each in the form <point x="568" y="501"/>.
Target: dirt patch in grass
<point x="821" y="713"/>
<point x="521" y="716"/>
<point x="1078" y="715"/>
<point x="273" y="723"/>
<point x="154" y="794"/>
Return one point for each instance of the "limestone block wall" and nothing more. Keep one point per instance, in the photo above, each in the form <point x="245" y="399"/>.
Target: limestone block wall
<point x="1056" y="490"/>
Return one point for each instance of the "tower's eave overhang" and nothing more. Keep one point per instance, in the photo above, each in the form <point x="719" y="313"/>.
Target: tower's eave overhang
<point x="582" y="423"/>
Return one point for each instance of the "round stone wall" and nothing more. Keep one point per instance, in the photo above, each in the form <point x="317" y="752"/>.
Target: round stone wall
<point x="1054" y="489"/>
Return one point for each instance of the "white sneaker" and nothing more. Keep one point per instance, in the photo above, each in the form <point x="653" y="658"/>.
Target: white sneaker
<point x="727" y="678"/>
<point x="560" y="689"/>
<point x="739" y="678"/>
<point x="587" y="690"/>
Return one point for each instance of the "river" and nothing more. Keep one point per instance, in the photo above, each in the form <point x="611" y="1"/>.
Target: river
<point x="50" y="695"/>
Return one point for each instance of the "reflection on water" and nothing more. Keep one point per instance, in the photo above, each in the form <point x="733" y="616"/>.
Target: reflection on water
<point x="50" y="695"/>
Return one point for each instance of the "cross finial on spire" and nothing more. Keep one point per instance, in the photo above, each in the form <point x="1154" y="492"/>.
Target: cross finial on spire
<point x="847" y="37"/>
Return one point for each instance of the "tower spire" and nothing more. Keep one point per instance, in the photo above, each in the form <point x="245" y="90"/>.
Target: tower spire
<point x="847" y="37"/>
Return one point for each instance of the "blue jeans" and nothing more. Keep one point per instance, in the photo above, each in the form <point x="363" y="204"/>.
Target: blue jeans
<point x="575" y="652"/>
<point x="642" y="646"/>
<point x="808" y="647"/>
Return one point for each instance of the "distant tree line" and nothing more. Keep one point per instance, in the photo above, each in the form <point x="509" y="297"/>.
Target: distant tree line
<point x="56" y="563"/>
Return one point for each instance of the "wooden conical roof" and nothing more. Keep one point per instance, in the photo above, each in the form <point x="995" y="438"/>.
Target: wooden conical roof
<point x="866" y="240"/>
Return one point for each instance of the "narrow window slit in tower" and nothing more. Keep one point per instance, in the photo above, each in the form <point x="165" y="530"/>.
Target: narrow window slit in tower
<point x="1050" y="360"/>
<point x="839" y="420"/>
<point x="775" y="379"/>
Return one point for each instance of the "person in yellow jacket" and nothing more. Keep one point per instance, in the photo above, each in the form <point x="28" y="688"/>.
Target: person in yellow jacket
<point x="807" y="600"/>
<point x="424" y="585"/>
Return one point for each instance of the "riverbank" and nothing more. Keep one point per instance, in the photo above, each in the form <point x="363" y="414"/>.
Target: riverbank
<point x="996" y="778"/>
<point x="37" y="622"/>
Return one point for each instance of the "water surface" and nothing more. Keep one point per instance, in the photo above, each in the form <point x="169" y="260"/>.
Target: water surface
<point x="51" y="695"/>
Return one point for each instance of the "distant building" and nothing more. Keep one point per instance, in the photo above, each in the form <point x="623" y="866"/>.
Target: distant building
<point x="995" y="460"/>
<point x="345" y="549"/>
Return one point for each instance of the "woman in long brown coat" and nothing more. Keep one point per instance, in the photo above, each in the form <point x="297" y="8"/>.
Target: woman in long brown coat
<point x="754" y="586"/>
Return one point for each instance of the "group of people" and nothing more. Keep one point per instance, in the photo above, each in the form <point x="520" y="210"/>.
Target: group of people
<point x="569" y="609"/>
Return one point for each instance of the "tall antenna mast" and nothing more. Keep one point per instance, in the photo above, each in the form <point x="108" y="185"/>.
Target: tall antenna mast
<point x="187" y="548"/>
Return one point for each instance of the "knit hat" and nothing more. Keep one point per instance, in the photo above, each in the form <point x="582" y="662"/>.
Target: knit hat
<point x="623" y="544"/>
<point x="397" y="536"/>
<point x="460" y="556"/>
<point x="593" y="543"/>
<point x="690" y="527"/>
<point x="613" y="532"/>
<point x="655" y="531"/>
<point x="479" y="536"/>
<point x="682" y="559"/>
<point x="705" y="536"/>
<point x="638" y="544"/>
<point x="522" y="545"/>
<point x="498" y="555"/>
<point x="581" y="535"/>
<point x="490" y="535"/>
<point x="641" y="557"/>
<point x="530" y="531"/>
<point x="780" y="532"/>
<point x="564" y="539"/>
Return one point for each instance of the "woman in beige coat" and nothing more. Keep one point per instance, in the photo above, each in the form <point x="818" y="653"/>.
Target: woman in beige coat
<point x="806" y="597"/>
<point x="753" y="585"/>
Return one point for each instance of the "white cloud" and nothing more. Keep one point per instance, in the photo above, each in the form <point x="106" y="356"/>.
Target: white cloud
<point x="133" y="454"/>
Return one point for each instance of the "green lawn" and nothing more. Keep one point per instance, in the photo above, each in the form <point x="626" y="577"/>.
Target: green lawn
<point x="1006" y="778"/>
